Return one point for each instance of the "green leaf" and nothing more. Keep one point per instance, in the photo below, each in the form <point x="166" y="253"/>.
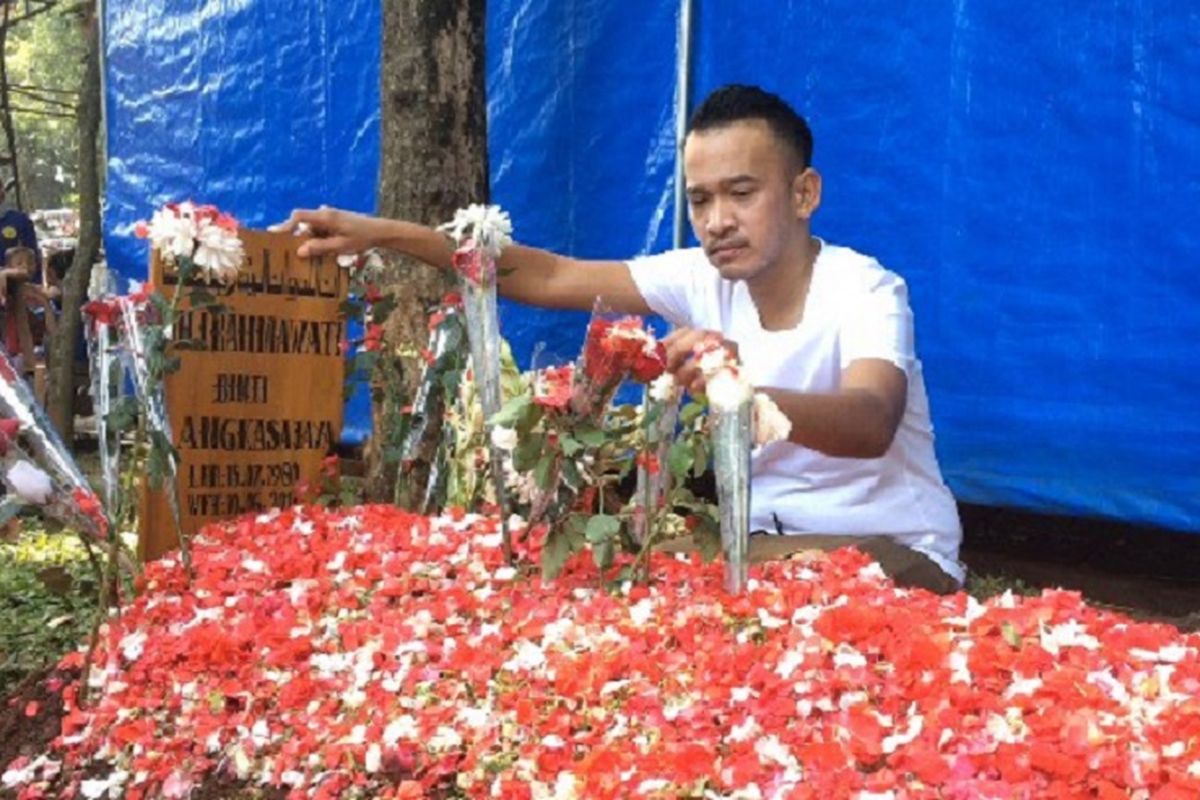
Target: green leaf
<point x="570" y="446"/>
<point x="680" y="458"/>
<point x="123" y="414"/>
<point x="570" y="474"/>
<point x="707" y="536"/>
<point x="602" y="554"/>
<point x="511" y="413"/>
<point x="450" y="381"/>
<point x="528" y="451"/>
<point x="602" y="528"/>
<point x="592" y="437"/>
<point x="556" y="552"/>
<point x="383" y="309"/>
<point x="366" y="360"/>
<point x="690" y="412"/>
<point x="201" y="297"/>
<point x="542" y="472"/>
<point x="700" y="458"/>
<point x="1009" y="632"/>
<point x="455" y="336"/>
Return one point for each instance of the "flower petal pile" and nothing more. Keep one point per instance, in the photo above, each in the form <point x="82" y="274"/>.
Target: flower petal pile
<point x="375" y="653"/>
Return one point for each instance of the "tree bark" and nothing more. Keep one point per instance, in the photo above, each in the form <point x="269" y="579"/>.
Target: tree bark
<point x="61" y="396"/>
<point x="433" y="157"/>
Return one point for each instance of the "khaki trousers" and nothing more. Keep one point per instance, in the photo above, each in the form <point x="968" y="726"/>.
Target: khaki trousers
<point x="905" y="566"/>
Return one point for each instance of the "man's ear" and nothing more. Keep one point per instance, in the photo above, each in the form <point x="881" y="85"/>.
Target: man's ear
<point x="806" y="193"/>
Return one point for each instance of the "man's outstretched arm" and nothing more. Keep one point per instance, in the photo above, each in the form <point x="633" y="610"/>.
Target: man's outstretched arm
<point x="528" y="274"/>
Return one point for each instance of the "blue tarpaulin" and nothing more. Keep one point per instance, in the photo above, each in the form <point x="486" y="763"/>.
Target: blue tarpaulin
<point x="1032" y="170"/>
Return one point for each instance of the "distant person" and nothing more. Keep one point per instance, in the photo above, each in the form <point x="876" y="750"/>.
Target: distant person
<point x="16" y="230"/>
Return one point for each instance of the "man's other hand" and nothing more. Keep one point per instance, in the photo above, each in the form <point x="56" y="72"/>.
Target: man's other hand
<point x="333" y="230"/>
<point x="681" y="346"/>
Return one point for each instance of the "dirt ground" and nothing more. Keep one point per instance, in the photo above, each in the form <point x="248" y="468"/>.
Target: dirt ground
<point x="1146" y="572"/>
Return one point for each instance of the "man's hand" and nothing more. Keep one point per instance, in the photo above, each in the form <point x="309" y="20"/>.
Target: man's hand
<point x="681" y="345"/>
<point x="334" y="231"/>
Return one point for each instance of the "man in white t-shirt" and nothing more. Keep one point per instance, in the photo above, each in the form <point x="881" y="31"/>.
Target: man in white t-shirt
<point x="826" y="331"/>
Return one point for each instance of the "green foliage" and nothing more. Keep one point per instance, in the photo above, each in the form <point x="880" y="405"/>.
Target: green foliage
<point x="48" y="597"/>
<point x="46" y="53"/>
<point x="983" y="587"/>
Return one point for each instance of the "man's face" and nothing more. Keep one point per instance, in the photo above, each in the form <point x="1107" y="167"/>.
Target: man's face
<point x="739" y="181"/>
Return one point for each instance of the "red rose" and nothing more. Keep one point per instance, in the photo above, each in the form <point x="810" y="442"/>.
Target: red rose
<point x="374" y="337"/>
<point x="9" y="430"/>
<point x="102" y="312"/>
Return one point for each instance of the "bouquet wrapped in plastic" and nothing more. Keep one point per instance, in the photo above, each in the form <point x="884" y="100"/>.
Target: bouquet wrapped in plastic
<point x="480" y="234"/>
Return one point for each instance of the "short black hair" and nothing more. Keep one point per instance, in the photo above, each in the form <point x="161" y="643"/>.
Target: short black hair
<point x="737" y="102"/>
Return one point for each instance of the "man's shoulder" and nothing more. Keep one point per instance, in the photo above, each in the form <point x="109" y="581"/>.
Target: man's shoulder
<point x="680" y="255"/>
<point x="855" y="271"/>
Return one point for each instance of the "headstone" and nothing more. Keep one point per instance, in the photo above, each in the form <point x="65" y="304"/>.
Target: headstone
<point x="257" y="405"/>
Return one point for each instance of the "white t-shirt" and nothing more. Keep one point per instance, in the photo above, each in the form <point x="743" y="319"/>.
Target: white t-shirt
<point x="855" y="309"/>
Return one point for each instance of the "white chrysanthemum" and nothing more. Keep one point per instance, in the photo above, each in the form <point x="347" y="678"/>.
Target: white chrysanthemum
<point x="770" y="424"/>
<point x="713" y="360"/>
<point x="726" y="391"/>
<point x="173" y="235"/>
<point x="504" y="438"/>
<point x="218" y="253"/>
<point x="488" y="226"/>
<point x="662" y="388"/>
<point x="29" y="482"/>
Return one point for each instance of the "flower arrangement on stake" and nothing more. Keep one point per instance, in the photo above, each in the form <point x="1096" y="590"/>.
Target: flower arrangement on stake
<point x="50" y="481"/>
<point x="742" y="418"/>
<point x="568" y="445"/>
<point x="47" y="476"/>
<point x="661" y="402"/>
<point x="197" y="245"/>
<point x="99" y="330"/>
<point x="480" y="234"/>
<point x="421" y="478"/>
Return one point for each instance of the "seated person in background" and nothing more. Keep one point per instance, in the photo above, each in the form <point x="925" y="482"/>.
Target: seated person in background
<point x="16" y="230"/>
<point x="21" y="295"/>
<point x="825" y="331"/>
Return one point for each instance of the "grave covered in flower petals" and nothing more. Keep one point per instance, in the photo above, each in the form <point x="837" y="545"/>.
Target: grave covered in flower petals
<point x="370" y="652"/>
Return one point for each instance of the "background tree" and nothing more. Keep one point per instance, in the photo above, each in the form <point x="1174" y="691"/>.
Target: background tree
<point x="44" y="66"/>
<point x="61" y="401"/>
<point x="433" y="156"/>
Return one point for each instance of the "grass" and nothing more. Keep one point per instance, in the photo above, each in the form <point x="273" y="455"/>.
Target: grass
<point x="48" y="598"/>
<point x="984" y="587"/>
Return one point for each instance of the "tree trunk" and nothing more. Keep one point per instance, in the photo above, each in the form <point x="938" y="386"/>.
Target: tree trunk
<point x="61" y="399"/>
<point x="433" y="156"/>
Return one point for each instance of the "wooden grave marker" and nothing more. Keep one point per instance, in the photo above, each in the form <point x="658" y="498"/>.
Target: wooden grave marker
<point x="257" y="409"/>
